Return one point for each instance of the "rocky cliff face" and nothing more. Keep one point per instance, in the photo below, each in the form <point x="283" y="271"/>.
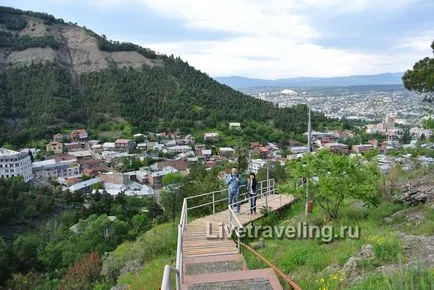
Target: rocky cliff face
<point x="77" y="48"/>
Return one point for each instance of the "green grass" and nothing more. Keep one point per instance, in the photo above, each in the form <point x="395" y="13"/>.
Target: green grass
<point x="405" y="279"/>
<point x="161" y="241"/>
<point x="149" y="277"/>
<point x="305" y="260"/>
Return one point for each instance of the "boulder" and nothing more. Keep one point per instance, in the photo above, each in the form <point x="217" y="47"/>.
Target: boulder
<point x="413" y="196"/>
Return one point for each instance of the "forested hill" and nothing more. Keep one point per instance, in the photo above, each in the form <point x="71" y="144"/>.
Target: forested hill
<point x="56" y="75"/>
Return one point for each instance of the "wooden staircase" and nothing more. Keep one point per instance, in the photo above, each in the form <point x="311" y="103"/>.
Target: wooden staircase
<point x="226" y="272"/>
<point x="208" y="257"/>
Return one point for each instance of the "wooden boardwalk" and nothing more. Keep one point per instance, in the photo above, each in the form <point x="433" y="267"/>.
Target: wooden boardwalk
<point x="197" y="241"/>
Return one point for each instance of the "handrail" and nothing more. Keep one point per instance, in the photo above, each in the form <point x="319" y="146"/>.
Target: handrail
<point x="213" y="193"/>
<point x="168" y="269"/>
<point x="291" y="283"/>
<point x="236" y="228"/>
<point x="178" y="270"/>
<point x="166" y="285"/>
<point x="271" y="190"/>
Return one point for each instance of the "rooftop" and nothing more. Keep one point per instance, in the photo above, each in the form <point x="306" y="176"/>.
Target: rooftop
<point x="4" y="151"/>
<point x="122" y="140"/>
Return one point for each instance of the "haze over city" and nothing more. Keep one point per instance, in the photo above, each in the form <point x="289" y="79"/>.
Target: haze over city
<point x="272" y="39"/>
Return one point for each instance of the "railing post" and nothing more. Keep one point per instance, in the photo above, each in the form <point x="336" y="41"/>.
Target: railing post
<point x="239" y="249"/>
<point x="230" y="220"/>
<point x="213" y="203"/>
<point x="266" y="194"/>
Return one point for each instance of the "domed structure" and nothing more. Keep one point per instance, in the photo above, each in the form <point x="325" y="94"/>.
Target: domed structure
<point x="288" y="92"/>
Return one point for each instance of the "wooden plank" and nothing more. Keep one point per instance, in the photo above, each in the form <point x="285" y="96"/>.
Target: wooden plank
<point x="195" y="242"/>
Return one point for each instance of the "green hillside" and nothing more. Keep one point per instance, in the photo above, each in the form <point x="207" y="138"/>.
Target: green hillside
<point x="46" y="86"/>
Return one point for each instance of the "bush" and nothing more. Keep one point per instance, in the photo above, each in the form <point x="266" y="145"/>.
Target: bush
<point x="160" y="241"/>
<point x="386" y="246"/>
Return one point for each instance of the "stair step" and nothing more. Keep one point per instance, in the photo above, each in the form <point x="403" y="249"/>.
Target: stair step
<point x="213" y="267"/>
<point x="261" y="279"/>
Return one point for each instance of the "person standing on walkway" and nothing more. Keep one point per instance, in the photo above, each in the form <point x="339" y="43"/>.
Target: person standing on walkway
<point x="233" y="181"/>
<point x="252" y="188"/>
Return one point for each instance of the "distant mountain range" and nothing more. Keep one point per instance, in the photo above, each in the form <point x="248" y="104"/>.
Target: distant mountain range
<point x="238" y="82"/>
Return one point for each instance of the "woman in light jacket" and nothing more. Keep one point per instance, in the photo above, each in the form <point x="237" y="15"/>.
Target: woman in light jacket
<point x="252" y="187"/>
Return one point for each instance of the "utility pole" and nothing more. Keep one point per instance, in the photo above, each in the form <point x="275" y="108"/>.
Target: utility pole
<point x="309" y="146"/>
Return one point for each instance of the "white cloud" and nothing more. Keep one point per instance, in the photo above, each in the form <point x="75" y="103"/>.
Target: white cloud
<point x="274" y="38"/>
<point x="420" y="43"/>
<point x="282" y="58"/>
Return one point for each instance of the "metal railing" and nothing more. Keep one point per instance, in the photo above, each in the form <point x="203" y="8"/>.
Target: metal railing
<point x="179" y="270"/>
<point x="215" y="197"/>
<point x="264" y="196"/>
<point x="282" y="275"/>
<point x="235" y="227"/>
<point x="265" y="188"/>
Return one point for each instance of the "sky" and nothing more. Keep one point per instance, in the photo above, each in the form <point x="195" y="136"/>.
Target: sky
<point x="267" y="39"/>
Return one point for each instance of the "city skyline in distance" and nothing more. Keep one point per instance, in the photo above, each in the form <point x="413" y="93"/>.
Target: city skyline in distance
<point x="240" y="82"/>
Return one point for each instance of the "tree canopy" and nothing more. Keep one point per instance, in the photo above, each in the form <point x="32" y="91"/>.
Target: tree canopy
<point x="332" y="178"/>
<point x="421" y="77"/>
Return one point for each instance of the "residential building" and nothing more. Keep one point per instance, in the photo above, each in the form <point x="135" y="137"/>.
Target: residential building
<point x="264" y="152"/>
<point x="158" y="147"/>
<point x="180" y="165"/>
<point x="84" y="154"/>
<point x="206" y="153"/>
<point x="211" y="137"/>
<point x="394" y="134"/>
<point x="343" y="134"/>
<point x="187" y="140"/>
<point x="169" y="143"/>
<point x="227" y="152"/>
<point x="337" y="147"/>
<point x="51" y="169"/>
<point x="156" y="178"/>
<point x="418" y="132"/>
<point x="75" y="146"/>
<point x="298" y="149"/>
<point x="56" y="147"/>
<point x="124" y="145"/>
<point x="84" y="185"/>
<point x="108" y="146"/>
<point x="361" y="148"/>
<point x="78" y="135"/>
<point x="114" y="177"/>
<point x="199" y="147"/>
<point x="90" y="163"/>
<point x="273" y="147"/>
<point x="256" y="164"/>
<point x="13" y="163"/>
<point x="179" y="149"/>
<point x="142" y="146"/>
<point x="59" y="137"/>
<point x="235" y="126"/>
<point x="323" y="137"/>
<point x="131" y="188"/>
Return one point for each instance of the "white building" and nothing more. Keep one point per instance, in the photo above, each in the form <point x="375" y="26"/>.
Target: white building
<point x="256" y="164"/>
<point x="13" y="163"/>
<point x="84" y="184"/>
<point x="417" y="132"/>
<point x="236" y="126"/>
<point x="179" y="149"/>
<point x="211" y="137"/>
<point x="298" y="149"/>
<point x="50" y="169"/>
<point x="108" y="146"/>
